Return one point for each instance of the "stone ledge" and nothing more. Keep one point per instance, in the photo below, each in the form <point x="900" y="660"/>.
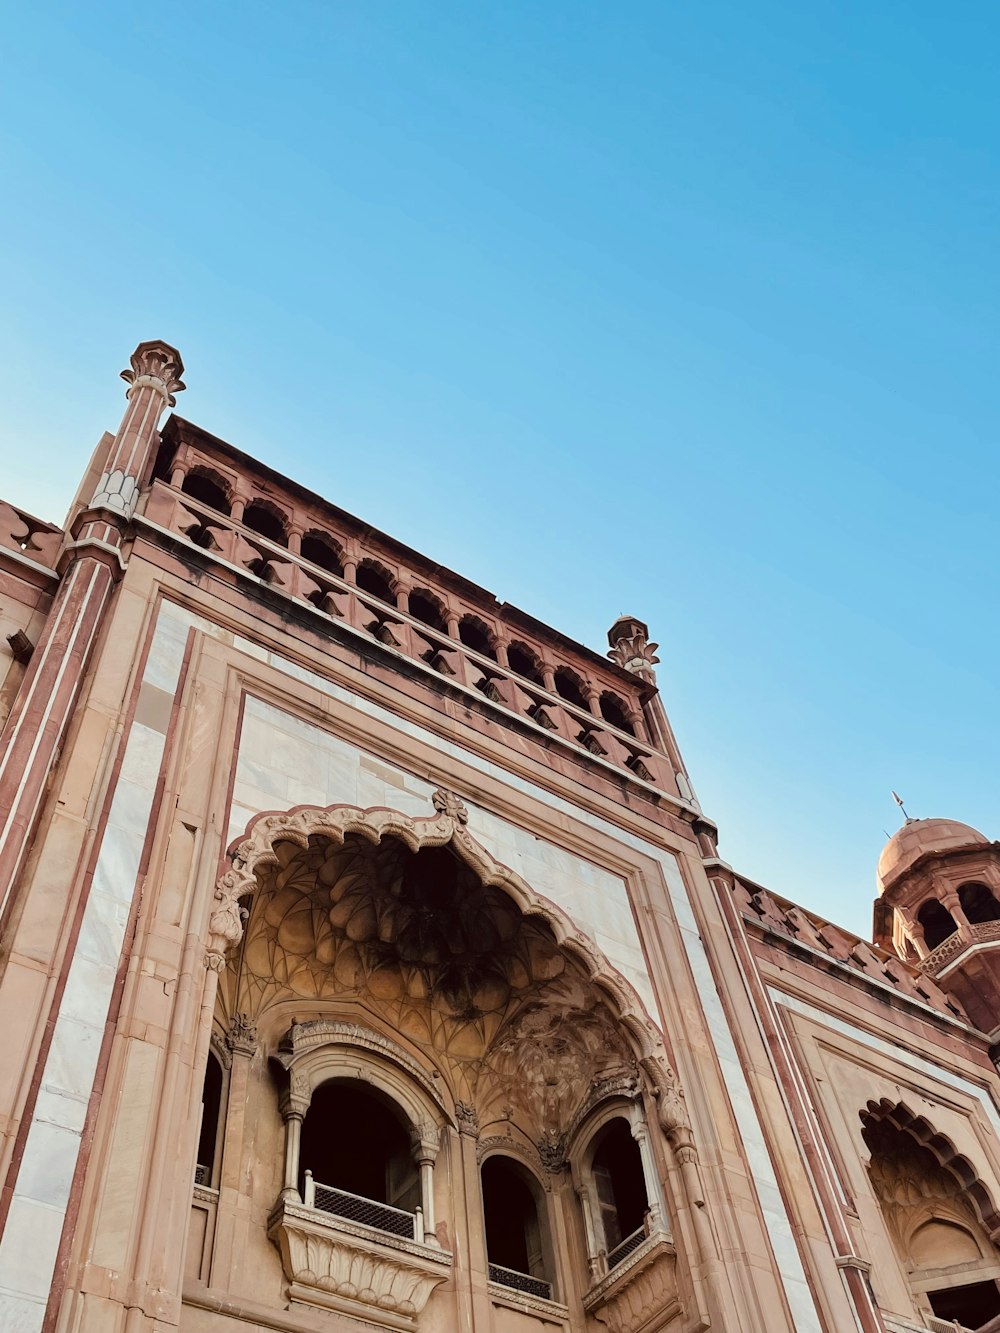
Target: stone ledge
<point x="333" y="1264"/>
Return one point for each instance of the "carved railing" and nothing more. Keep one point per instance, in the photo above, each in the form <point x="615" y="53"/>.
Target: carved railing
<point x="293" y="576"/>
<point x="524" y="1282"/>
<point x="987" y="932"/>
<point x="28" y="536"/>
<point x="626" y="1247"/>
<point x="356" y="1208"/>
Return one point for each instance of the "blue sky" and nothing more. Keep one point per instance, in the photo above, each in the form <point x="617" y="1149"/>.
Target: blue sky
<point x="682" y="310"/>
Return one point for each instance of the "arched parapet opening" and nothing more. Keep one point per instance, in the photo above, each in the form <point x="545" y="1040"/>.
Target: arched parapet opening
<point x="517" y="1226"/>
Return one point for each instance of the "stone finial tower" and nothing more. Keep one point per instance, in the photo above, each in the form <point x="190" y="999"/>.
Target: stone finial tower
<point x="939" y="905"/>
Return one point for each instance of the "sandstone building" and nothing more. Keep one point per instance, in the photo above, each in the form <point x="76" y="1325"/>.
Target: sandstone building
<point x="367" y="959"/>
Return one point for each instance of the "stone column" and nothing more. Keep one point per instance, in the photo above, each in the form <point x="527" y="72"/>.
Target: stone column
<point x="294" y="1105"/>
<point x="425" y="1150"/>
<point x="90" y="564"/>
<point x="653" y="1200"/>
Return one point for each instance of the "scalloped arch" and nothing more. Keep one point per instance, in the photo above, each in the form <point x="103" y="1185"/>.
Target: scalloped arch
<point x="255" y="852"/>
<point x="923" y="1132"/>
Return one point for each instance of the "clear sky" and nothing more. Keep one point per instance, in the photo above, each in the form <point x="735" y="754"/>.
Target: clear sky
<point x="685" y="310"/>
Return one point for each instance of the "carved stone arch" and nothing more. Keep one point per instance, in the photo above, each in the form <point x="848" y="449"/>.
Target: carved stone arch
<point x="918" y="1128"/>
<point x="254" y="852"/>
<point x="499" y="1144"/>
<point x="322" y="1049"/>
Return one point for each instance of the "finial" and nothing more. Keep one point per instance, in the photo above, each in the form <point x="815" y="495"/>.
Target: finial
<point x="631" y="648"/>
<point x="158" y="366"/>
<point x="899" y="802"/>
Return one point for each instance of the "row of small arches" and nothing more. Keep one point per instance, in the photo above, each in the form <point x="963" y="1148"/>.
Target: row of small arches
<point x="373" y="578"/>
<point x="979" y="906"/>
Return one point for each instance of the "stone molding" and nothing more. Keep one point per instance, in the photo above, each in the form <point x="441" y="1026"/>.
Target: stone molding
<point x="302" y="1039"/>
<point x="332" y="1264"/>
<point x="552" y="1312"/>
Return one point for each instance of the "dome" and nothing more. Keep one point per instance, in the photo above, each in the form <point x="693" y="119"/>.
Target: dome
<point x="919" y="836"/>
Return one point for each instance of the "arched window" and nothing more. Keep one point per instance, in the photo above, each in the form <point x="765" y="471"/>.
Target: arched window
<point x="265" y="520"/>
<point x="936" y="922"/>
<point x="474" y="634"/>
<point x="428" y="609"/>
<point x="978" y="904"/>
<point x="525" y="662"/>
<point x="319" y="549"/>
<point x="207" y="487"/>
<point x="939" y="1214"/>
<point x="616" y="1168"/>
<point x="376" y="580"/>
<point x="613" y="710"/>
<point x="211" y="1108"/>
<point x="356" y="1147"/>
<point x="569" y="686"/>
<point x="515" y="1241"/>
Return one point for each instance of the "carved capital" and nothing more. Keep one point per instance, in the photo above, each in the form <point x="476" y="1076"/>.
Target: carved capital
<point x="157" y="366"/>
<point x="631" y="648"/>
<point x="552" y="1150"/>
<point x="670" y="1109"/>
<point x="225" y="925"/>
<point x="467" y="1119"/>
<point x="242" y="1035"/>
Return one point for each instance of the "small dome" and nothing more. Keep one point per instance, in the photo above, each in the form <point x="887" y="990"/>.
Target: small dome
<point x="918" y="836"/>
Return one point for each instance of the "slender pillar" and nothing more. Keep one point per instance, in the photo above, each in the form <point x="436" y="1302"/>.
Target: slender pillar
<point x="293" y="1116"/>
<point x="641" y="1135"/>
<point x="425" y="1149"/>
<point x="91" y="563"/>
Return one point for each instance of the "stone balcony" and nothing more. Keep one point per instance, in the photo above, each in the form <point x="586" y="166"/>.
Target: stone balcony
<point x="639" y="1295"/>
<point x="336" y="1264"/>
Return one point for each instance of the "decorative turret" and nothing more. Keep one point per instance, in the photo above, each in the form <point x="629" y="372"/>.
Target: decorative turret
<point x="631" y="648"/>
<point x="939" y="906"/>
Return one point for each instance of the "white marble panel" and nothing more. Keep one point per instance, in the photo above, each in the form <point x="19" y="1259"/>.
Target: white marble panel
<point x="20" y="1314"/>
<point x="143" y="756"/>
<point x="47" y="1175"/>
<point x="30" y="1240"/>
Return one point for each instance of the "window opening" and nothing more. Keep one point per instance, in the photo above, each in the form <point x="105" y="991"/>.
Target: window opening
<point x="318" y="549"/>
<point x="358" y="1153"/>
<point x="621" y="1191"/>
<point x="371" y="578"/>
<point x="204" y="488"/>
<point x="936" y="922"/>
<point x="569" y="686"/>
<point x="474" y="634"/>
<point x="972" y="1306"/>
<point x="522" y="660"/>
<point x="513" y="1232"/>
<point x="263" y="520"/>
<point x="978" y="904"/>
<point x="613" y="711"/>
<point x="211" y="1107"/>
<point x="427" y="609"/>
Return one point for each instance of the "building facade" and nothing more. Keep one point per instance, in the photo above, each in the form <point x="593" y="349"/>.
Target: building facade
<point x="366" y="957"/>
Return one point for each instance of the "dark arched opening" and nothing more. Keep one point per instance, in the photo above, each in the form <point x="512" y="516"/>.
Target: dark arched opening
<point x="522" y="660"/>
<point x="613" y="711"/>
<point x="373" y="579"/>
<point x="936" y="922"/>
<point x="263" y="520"/>
<point x="206" y="489"/>
<point x="978" y="904"/>
<point x="569" y="686"/>
<point x="357" y="1147"/>
<point x="211" y="1108"/>
<point x="474" y="634"/>
<point x="514" y="1243"/>
<point x="319" y="549"/>
<point x="621" y="1190"/>
<point x="427" y="609"/>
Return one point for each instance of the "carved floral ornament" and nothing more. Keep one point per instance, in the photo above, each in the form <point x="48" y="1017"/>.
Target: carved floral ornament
<point x="258" y="852"/>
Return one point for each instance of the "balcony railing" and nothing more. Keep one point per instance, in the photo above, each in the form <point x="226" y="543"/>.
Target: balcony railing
<point x="531" y="1286"/>
<point x="626" y="1247"/>
<point x="356" y="1208"/>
